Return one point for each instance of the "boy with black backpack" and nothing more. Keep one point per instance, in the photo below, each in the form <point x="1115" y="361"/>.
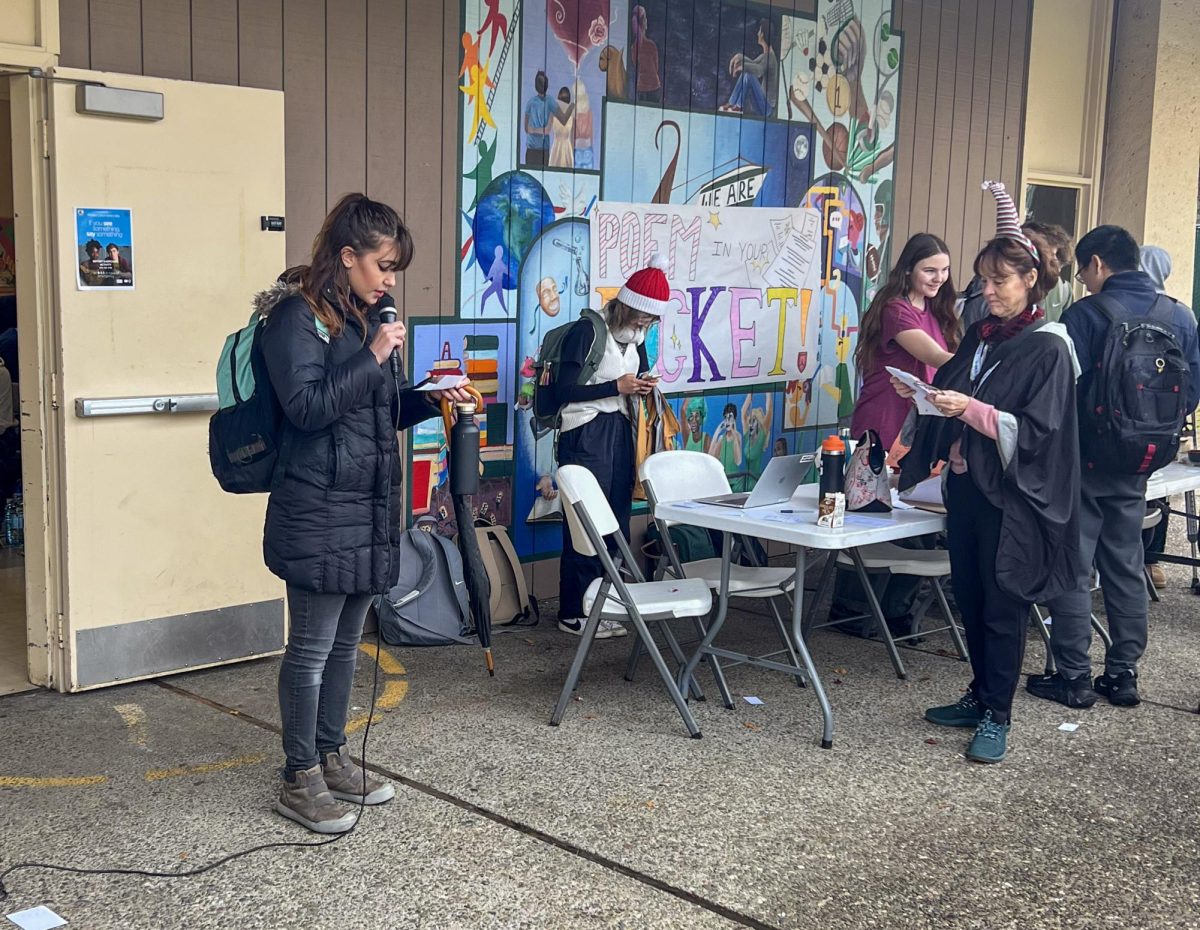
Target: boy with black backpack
<point x="1140" y="378"/>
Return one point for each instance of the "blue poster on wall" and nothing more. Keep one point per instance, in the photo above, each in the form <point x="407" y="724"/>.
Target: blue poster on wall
<point x="104" y="249"/>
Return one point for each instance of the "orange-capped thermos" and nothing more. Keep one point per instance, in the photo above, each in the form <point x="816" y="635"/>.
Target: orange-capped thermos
<point x="833" y="466"/>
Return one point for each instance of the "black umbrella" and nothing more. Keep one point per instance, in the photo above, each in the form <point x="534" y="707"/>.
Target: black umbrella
<point x="464" y="481"/>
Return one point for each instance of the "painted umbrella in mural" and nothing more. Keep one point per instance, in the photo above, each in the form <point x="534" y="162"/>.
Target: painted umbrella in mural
<point x="463" y="434"/>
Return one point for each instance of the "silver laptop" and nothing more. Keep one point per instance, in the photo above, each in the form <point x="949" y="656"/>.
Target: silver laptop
<point x="778" y="483"/>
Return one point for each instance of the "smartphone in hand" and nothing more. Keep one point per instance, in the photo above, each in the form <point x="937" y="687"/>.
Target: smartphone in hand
<point x="648" y="376"/>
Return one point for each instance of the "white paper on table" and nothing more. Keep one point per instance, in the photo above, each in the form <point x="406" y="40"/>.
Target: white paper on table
<point x="928" y="491"/>
<point x="37" y="918"/>
<point x="442" y="383"/>
<point x="925" y="406"/>
<point x="898" y="504"/>
<point x="865" y="520"/>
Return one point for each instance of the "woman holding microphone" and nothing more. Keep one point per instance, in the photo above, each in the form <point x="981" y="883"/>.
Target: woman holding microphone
<point x="334" y="512"/>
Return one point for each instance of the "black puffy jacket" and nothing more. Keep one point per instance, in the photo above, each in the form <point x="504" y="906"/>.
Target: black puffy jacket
<point x="335" y="510"/>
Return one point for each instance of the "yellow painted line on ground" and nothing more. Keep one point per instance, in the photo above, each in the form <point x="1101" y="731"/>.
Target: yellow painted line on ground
<point x="393" y="693"/>
<point x="206" y="768"/>
<point x="388" y="662"/>
<point x="21" y="781"/>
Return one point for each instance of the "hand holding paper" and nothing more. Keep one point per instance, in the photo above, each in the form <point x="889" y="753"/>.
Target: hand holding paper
<point x="922" y="392"/>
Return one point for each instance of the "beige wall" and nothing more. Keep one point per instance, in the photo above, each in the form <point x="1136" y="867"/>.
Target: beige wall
<point x="1152" y="154"/>
<point x="28" y="32"/>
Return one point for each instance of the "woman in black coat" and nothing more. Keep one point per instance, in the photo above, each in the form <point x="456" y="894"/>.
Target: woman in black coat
<point x="334" y="514"/>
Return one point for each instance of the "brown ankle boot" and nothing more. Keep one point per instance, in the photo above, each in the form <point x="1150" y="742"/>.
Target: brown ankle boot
<point x="345" y="780"/>
<point x="307" y="800"/>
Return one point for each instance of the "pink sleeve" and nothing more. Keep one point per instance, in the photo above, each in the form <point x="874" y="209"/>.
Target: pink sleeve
<point x="898" y="317"/>
<point x="983" y="418"/>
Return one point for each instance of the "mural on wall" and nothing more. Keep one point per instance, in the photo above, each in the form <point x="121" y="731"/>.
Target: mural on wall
<point x="754" y="147"/>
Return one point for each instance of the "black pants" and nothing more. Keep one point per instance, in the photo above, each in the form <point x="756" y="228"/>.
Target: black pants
<point x="604" y="446"/>
<point x="995" y="623"/>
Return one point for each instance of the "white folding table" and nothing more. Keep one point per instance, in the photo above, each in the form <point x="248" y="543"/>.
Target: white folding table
<point x="794" y="523"/>
<point x="1178" y="478"/>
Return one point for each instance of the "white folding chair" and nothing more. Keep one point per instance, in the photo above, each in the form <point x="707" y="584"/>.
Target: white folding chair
<point x="891" y="559"/>
<point x="683" y="475"/>
<point x="591" y="522"/>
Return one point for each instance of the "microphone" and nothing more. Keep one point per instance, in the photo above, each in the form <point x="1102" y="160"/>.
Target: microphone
<point x="387" y="314"/>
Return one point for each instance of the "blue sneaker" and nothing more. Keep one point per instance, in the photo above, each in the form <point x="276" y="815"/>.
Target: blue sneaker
<point x="965" y="713"/>
<point x="990" y="742"/>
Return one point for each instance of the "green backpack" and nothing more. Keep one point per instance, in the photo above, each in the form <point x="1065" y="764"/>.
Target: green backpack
<point x="546" y="413"/>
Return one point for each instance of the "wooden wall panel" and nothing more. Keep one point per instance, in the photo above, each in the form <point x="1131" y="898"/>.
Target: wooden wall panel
<point x="423" y="157"/>
<point x="167" y="39"/>
<point x="215" y="41"/>
<point x="75" y="34"/>
<point x="304" y="116"/>
<point x="962" y="87"/>
<point x="346" y="109"/>
<point x="116" y="35"/>
<point x="260" y="43"/>
<point x="386" y="103"/>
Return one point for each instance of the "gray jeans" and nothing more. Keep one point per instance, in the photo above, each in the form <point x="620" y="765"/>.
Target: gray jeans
<point x="317" y="672"/>
<point x="1110" y="529"/>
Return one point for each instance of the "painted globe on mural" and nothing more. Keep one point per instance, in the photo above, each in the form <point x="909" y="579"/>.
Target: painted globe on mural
<point x="511" y="212"/>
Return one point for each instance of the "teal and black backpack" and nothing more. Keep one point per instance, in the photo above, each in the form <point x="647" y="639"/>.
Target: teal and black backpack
<point x="546" y="413"/>
<point x="243" y="435"/>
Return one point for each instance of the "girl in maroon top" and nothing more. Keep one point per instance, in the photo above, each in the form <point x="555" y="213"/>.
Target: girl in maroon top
<point x="910" y="325"/>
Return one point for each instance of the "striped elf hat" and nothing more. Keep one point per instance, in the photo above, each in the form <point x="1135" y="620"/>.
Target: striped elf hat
<point x="1008" y="223"/>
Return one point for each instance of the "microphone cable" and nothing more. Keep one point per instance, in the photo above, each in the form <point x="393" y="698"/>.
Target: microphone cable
<point x="293" y="844"/>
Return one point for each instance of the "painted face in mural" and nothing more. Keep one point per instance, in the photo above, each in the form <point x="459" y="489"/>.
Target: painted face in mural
<point x="372" y="274"/>
<point x="548" y="298"/>
<point x="928" y="276"/>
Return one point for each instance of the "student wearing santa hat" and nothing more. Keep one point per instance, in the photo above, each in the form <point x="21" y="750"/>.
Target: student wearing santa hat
<point x="597" y="425"/>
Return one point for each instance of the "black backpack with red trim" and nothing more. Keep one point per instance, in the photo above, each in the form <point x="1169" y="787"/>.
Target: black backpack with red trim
<point x="1136" y="404"/>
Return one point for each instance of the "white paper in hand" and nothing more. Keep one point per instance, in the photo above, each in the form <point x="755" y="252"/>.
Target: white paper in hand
<point x="925" y="406"/>
<point x="442" y="383"/>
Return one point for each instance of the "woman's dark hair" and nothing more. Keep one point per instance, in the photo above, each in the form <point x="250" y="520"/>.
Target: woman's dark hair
<point x="564" y="94"/>
<point x="1004" y="256"/>
<point x="1053" y="244"/>
<point x="363" y="225"/>
<point x="92" y="244"/>
<point x="729" y="410"/>
<point x="540" y="82"/>
<point x="870" y="328"/>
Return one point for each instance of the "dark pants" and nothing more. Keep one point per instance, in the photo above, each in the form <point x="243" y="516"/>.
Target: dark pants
<point x="536" y="158"/>
<point x="1154" y="540"/>
<point x="604" y="446"/>
<point x="995" y="623"/>
<point x="1111" y="510"/>
<point x="317" y="672"/>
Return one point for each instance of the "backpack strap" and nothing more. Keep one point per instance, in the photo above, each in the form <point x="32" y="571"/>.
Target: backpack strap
<point x="1113" y="309"/>
<point x="595" y="354"/>
<point x="460" y="588"/>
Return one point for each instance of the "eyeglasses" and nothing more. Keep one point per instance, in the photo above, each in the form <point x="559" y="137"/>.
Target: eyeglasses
<point x="1079" y="276"/>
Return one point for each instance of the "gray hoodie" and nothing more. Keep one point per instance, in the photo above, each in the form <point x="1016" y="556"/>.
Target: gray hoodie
<point x="1157" y="264"/>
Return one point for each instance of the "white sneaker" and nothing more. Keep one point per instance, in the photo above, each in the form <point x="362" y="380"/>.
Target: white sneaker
<point x="608" y="629"/>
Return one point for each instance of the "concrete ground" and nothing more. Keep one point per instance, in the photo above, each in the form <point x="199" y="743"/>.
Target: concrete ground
<point x="616" y="818"/>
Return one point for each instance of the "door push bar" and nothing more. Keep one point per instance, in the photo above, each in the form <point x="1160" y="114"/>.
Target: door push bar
<point x="123" y="406"/>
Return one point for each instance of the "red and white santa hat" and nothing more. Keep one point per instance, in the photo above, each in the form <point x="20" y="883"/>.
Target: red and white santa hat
<point x="647" y="290"/>
<point x="1008" y="222"/>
